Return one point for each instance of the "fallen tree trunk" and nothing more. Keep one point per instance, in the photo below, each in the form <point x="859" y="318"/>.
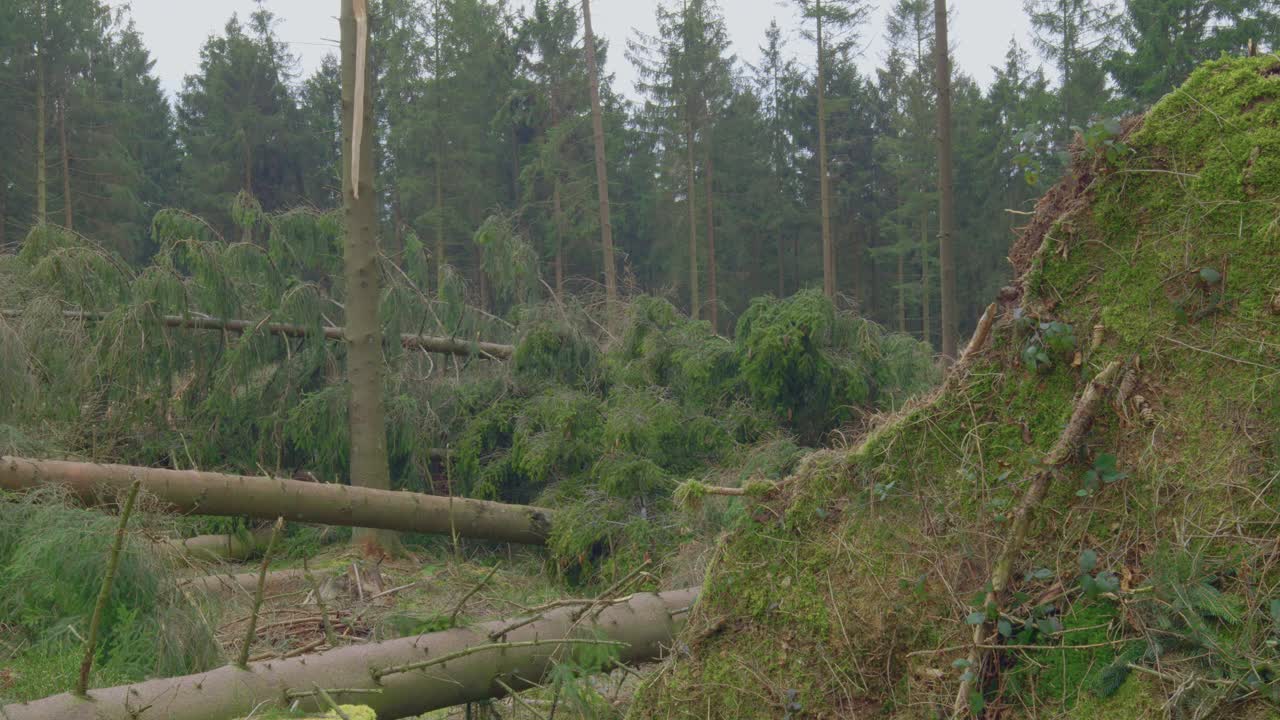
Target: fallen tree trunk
<point x="219" y="548"/>
<point x="231" y="584"/>
<point x="208" y="493"/>
<point x="428" y="343"/>
<point x="414" y="674"/>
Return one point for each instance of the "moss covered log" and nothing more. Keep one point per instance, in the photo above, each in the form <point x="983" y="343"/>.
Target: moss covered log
<point x="637" y="631"/>
<point x="207" y="493"/>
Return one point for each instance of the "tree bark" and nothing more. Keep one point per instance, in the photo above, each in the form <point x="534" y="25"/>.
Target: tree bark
<point x="926" y="302"/>
<point x="712" y="292"/>
<point x="643" y="625"/>
<point x="824" y="184"/>
<point x="602" y="171"/>
<point x="209" y="493"/>
<point x="558" y="221"/>
<point x="67" y="213"/>
<point x="693" y="220"/>
<point x="42" y="181"/>
<point x="946" y="190"/>
<point x="218" y="548"/>
<point x="243" y="583"/>
<point x="364" y="332"/>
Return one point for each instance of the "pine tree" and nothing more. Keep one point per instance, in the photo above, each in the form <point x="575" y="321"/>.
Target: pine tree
<point x="835" y="27"/>
<point x="1164" y="40"/>
<point x="238" y="122"/>
<point x="946" y="178"/>
<point x="601" y="161"/>
<point x="1071" y="33"/>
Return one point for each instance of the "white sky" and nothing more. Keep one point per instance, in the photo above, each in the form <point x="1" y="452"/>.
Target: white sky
<point x="174" y="31"/>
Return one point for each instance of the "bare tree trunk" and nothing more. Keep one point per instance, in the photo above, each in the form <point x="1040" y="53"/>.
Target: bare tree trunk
<point x="828" y="246"/>
<point x="946" y="190"/>
<point x="440" y="252"/>
<point x="602" y="172"/>
<point x="208" y="493"/>
<point x="397" y="678"/>
<point x="902" y="292"/>
<point x="926" y="302"/>
<point x="42" y="181"/>
<point x="364" y="333"/>
<point x="782" y="270"/>
<point x="712" y="295"/>
<point x="67" y="214"/>
<point x="693" y="222"/>
<point x="558" y="212"/>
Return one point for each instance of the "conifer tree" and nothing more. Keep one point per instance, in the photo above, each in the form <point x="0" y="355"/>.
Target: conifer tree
<point x="835" y="30"/>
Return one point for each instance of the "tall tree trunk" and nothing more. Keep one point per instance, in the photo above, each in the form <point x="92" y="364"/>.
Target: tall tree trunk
<point x="926" y="302"/>
<point x="397" y="221"/>
<point x="441" y="260"/>
<point x="246" y="165"/>
<point x="67" y="215"/>
<point x="902" y="292"/>
<point x="42" y="181"/>
<point x="712" y="296"/>
<point x="946" y="190"/>
<point x="602" y="172"/>
<point x="824" y="184"/>
<point x="558" y="221"/>
<point x="782" y="269"/>
<point x="693" y="222"/>
<point x="364" y="335"/>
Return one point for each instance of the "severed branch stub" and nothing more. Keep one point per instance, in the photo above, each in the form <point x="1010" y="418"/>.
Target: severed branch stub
<point x="1086" y="408"/>
<point x="104" y="593"/>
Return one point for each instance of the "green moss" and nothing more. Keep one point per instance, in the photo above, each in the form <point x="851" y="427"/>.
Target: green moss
<point x="908" y="522"/>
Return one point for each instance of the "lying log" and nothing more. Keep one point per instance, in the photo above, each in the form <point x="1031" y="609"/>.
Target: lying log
<point x="411" y="675"/>
<point x="219" y="548"/>
<point x="427" y="343"/>
<point x="208" y="493"/>
<point x="243" y="583"/>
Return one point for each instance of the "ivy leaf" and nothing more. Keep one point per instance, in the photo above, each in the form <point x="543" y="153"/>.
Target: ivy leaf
<point x="1005" y="627"/>
<point x="976" y="618"/>
<point x="1209" y="276"/>
<point x="960" y="663"/>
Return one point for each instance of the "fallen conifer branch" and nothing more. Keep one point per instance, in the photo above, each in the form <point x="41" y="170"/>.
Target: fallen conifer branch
<point x="641" y="627"/>
<point x="207" y="493"/>
<point x="1086" y="408"/>
<point x="427" y="343"/>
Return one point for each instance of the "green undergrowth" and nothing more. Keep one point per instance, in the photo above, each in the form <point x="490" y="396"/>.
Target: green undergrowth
<point x="605" y="431"/>
<point x="53" y="557"/>
<point x="601" y="423"/>
<point x="1147" y="585"/>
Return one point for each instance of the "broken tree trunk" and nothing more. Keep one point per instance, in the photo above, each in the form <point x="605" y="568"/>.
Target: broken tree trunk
<point x="216" y="548"/>
<point x="244" y="583"/>
<point x="208" y="493"/>
<point x="427" y="343"/>
<point x="414" y="674"/>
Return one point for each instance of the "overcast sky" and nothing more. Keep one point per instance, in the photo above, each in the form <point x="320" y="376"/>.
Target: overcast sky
<point x="174" y="31"/>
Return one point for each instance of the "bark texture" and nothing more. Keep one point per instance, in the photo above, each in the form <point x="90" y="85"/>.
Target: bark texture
<point x="602" y="171"/>
<point x="360" y="260"/>
<point x="824" y="183"/>
<point x="644" y="624"/>
<point x="219" y="548"/>
<point x="207" y="493"/>
<point x="946" y="189"/>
